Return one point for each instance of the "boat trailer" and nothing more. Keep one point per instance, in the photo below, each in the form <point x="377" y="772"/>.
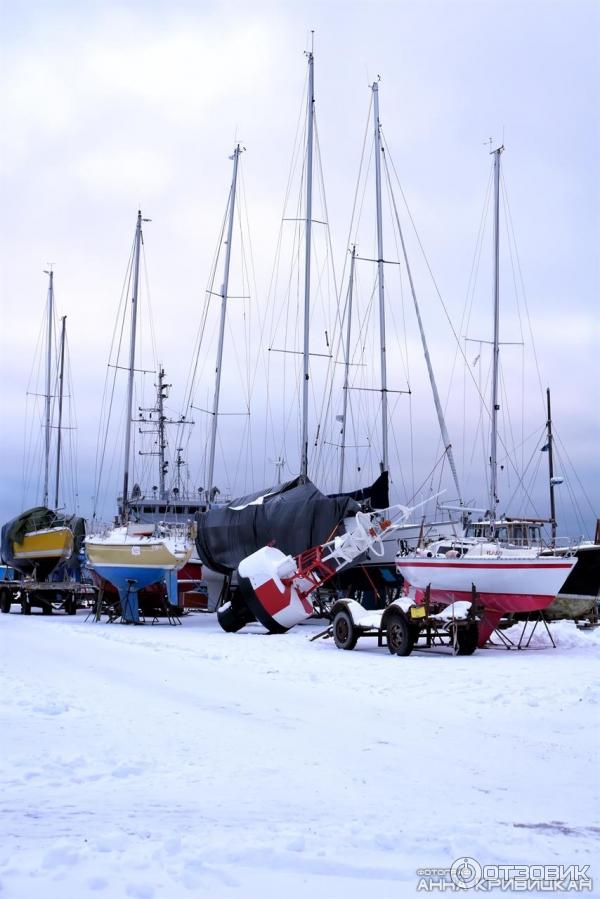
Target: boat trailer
<point x="49" y="596"/>
<point x="404" y="626"/>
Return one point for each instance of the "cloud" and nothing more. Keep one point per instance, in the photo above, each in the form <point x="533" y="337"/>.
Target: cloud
<point x="110" y="106"/>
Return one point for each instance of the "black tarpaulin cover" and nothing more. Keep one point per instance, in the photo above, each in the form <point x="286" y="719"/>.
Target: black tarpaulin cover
<point x="377" y="495"/>
<point x="293" y="516"/>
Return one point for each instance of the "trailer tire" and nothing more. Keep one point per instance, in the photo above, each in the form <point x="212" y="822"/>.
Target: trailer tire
<point x="400" y="635"/>
<point x="5" y="601"/>
<point x="467" y="639"/>
<point x="71" y="604"/>
<point x="345" y="634"/>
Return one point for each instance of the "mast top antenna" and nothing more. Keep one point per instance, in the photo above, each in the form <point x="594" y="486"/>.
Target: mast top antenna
<point x="490" y="142"/>
<point x="310" y="52"/>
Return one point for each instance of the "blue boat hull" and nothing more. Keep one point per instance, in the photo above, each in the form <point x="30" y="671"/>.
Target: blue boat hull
<point x="129" y="580"/>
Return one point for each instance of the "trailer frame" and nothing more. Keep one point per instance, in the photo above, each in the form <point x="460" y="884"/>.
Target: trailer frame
<point x="404" y="626"/>
<point x="50" y="596"/>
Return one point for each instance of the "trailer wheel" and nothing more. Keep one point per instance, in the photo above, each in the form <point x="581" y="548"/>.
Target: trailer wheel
<point x="345" y="633"/>
<point x="400" y="636"/>
<point x="5" y="601"/>
<point x="467" y="639"/>
<point x="71" y="604"/>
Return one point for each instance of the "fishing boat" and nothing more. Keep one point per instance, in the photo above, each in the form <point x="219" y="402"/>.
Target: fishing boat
<point x="132" y="556"/>
<point x="506" y="578"/>
<point x="40" y="539"/>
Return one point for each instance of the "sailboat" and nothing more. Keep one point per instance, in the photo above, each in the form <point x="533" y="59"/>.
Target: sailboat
<point x="507" y="578"/>
<point x="578" y="596"/>
<point x="220" y="518"/>
<point x="293" y="515"/>
<point x="374" y="576"/>
<point x="131" y="555"/>
<point x="38" y="540"/>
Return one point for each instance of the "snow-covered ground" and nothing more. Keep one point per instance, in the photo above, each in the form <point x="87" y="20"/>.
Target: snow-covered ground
<point x="166" y="762"/>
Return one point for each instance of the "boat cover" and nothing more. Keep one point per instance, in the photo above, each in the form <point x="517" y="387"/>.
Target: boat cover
<point x="377" y="496"/>
<point x="293" y="517"/>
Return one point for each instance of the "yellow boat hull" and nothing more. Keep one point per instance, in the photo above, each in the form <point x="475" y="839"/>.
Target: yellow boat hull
<point x="51" y="543"/>
<point x="39" y="552"/>
<point x="135" y="555"/>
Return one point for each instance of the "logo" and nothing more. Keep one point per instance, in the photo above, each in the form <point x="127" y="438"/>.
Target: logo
<point x="466" y="873"/>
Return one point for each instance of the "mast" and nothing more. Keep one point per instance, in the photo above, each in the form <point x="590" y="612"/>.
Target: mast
<point x="307" y="261"/>
<point x="179" y="462"/>
<point x="496" y="343"/>
<point x="134" y="301"/>
<point x="347" y="368"/>
<point x="61" y="376"/>
<point x="384" y="413"/>
<point x="159" y="422"/>
<point x="160" y="398"/>
<point x="551" y="469"/>
<point x="432" y="381"/>
<point x="47" y="424"/>
<point x="224" y="289"/>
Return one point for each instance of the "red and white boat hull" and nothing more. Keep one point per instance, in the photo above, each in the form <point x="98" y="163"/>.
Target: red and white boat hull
<point x="503" y="585"/>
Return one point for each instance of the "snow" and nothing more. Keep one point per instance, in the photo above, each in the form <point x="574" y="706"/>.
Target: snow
<point x="169" y="762"/>
<point x="454" y="611"/>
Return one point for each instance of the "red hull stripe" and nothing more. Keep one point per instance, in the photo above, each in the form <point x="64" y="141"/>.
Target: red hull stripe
<point x="482" y="565"/>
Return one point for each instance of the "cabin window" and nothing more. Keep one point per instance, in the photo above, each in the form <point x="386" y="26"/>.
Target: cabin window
<point x="519" y="535"/>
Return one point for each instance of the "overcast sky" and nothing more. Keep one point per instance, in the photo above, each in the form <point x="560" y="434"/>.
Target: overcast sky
<point x="110" y="107"/>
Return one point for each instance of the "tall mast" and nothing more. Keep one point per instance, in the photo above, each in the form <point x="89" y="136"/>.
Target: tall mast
<point x="432" y="381"/>
<point x="307" y="261"/>
<point x="47" y="425"/>
<point x="384" y="413"/>
<point x="551" y="469"/>
<point x="224" y="289"/>
<point x="61" y="380"/>
<point x="496" y="342"/>
<point x="347" y="368"/>
<point x="160" y="399"/>
<point x="134" y="301"/>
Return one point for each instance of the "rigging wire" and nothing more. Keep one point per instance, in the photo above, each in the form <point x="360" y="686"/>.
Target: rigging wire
<point x="522" y="282"/>
<point x="567" y="457"/>
<point x="109" y="388"/>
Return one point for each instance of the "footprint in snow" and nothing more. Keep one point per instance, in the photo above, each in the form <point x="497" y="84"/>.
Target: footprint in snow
<point x="59" y="857"/>
<point x="51" y="709"/>
<point x="298" y="844"/>
<point x="140" y="890"/>
<point x="126" y="771"/>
